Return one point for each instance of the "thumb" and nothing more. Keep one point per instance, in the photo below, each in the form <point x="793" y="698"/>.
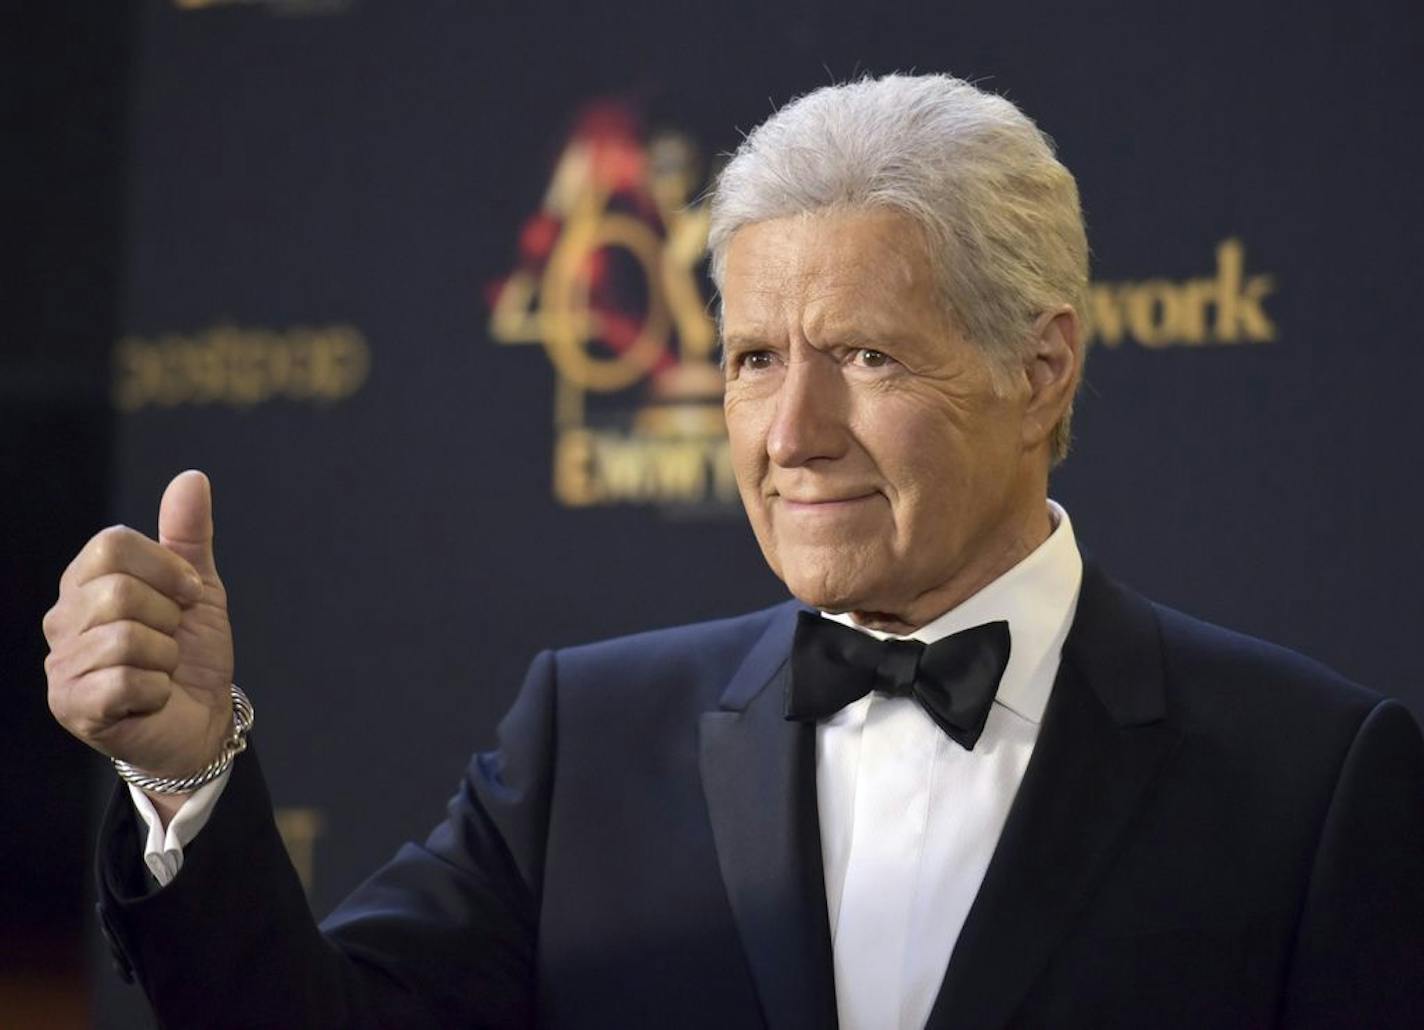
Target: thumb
<point x="185" y="521"/>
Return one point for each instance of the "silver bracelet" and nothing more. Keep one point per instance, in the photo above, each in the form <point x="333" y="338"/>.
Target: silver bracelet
<point x="236" y="743"/>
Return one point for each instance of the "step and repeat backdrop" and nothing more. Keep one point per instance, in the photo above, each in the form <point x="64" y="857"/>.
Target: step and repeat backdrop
<point x="422" y="287"/>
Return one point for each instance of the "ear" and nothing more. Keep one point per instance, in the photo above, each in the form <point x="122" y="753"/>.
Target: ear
<point x="1053" y="369"/>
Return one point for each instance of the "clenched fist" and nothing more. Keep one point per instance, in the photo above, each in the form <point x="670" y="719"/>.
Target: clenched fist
<point x="140" y="646"/>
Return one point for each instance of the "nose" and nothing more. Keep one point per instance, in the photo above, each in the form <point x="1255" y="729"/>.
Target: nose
<point x="809" y="420"/>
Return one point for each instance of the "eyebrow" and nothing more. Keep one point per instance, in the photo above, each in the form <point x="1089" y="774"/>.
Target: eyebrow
<point x="871" y="341"/>
<point x="738" y="341"/>
<point x="845" y="338"/>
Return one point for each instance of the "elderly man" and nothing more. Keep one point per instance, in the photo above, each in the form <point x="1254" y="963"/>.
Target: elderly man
<point x="964" y="780"/>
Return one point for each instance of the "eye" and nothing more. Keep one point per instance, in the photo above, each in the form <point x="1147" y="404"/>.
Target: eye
<point x="754" y="360"/>
<point x="869" y="357"/>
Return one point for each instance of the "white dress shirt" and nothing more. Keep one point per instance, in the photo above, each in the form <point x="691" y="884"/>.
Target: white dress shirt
<point x="163" y="849"/>
<point x="909" y="819"/>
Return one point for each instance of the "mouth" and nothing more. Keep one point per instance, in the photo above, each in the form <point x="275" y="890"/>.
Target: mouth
<point x="826" y="505"/>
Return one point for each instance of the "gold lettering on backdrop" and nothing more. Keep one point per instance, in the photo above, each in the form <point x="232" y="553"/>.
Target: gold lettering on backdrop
<point x="610" y="283"/>
<point x="593" y="468"/>
<point x="240" y="367"/>
<point x="1226" y="309"/>
<point x="300" y="828"/>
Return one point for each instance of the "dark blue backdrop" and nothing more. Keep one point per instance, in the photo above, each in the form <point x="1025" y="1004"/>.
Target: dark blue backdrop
<point x="327" y="196"/>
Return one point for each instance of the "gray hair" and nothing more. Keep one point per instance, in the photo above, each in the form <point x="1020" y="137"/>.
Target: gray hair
<point x="1000" y="214"/>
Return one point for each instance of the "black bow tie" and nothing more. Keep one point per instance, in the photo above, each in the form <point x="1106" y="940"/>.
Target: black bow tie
<point x="955" y="679"/>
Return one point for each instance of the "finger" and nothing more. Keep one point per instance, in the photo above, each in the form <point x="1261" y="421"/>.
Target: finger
<point x="99" y="699"/>
<point x="123" y="643"/>
<point x="118" y="597"/>
<point x="110" y="598"/>
<point x="56" y="621"/>
<point x="185" y="521"/>
<point x="121" y="549"/>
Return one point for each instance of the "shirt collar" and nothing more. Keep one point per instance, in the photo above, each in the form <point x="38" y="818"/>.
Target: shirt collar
<point x="1038" y="598"/>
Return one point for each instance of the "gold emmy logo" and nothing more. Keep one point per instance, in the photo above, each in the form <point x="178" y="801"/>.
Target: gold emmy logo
<point x="610" y="283"/>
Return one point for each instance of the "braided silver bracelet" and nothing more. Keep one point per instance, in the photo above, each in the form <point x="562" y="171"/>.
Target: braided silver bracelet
<point x="236" y="743"/>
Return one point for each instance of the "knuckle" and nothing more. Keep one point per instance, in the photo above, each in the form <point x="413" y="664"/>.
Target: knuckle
<point x="120" y="691"/>
<point x="108" y="642"/>
<point x="126" y="637"/>
<point x="110" y="701"/>
<point x="66" y="712"/>
<point x="105" y="681"/>
<point x="116" y="596"/>
<point x="56" y="665"/>
<point x="110" y="679"/>
<point x="58" y="706"/>
<point x="109" y="545"/>
<point x="101" y="551"/>
<point x="91" y="709"/>
<point x="76" y="566"/>
<point x="130" y="679"/>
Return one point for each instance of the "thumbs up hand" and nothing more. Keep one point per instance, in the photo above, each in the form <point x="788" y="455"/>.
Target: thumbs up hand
<point x="141" y="651"/>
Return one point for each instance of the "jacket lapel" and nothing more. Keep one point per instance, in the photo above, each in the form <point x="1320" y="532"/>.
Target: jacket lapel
<point x="759" y="776"/>
<point x="1103" y="741"/>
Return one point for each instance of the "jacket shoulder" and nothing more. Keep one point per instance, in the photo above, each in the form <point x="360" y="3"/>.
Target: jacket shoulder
<point x="1276" y="716"/>
<point x="1211" y="657"/>
<point x="1250" y="696"/>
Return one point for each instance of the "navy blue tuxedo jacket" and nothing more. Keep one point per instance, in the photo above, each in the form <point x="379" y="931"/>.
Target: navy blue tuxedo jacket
<point x="1212" y="832"/>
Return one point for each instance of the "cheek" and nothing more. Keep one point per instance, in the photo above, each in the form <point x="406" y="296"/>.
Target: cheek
<point x="919" y="451"/>
<point x="960" y="483"/>
<point x="934" y="479"/>
<point x="746" y="435"/>
<point x="746" y="440"/>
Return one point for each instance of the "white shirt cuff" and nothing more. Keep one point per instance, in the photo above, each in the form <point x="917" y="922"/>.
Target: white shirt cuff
<point x="163" y="851"/>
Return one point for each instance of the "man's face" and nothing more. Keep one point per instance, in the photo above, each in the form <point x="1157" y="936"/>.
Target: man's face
<point x="882" y="472"/>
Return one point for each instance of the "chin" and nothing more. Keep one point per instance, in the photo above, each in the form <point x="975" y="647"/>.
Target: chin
<point x="828" y="591"/>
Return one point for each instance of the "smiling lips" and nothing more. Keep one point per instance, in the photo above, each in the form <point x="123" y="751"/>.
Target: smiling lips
<point x="823" y="504"/>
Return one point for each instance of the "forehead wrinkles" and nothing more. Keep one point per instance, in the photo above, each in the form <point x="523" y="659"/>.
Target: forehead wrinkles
<point x="868" y="285"/>
<point x="818" y="273"/>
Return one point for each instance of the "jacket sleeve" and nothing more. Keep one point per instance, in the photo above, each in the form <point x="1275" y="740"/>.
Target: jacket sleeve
<point x="1359" y="950"/>
<point x="443" y="935"/>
